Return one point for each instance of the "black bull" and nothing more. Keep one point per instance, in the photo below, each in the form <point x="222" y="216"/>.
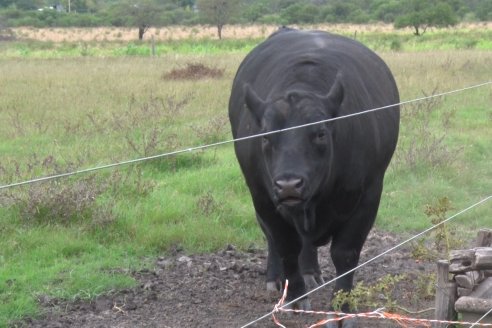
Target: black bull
<point x="323" y="182"/>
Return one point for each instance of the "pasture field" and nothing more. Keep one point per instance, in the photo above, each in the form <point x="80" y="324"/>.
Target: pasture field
<point x="78" y="237"/>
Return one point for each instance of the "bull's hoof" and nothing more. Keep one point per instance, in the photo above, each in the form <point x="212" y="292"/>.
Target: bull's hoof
<point x="273" y="286"/>
<point x="313" y="280"/>
<point x="345" y="323"/>
<point x="301" y="305"/>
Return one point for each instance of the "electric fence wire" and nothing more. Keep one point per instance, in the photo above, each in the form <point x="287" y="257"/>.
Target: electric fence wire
<point x="484" y="200"/>
<point x="216" y="144"/>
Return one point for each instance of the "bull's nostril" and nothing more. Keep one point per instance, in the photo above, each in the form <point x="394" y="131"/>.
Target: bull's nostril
<point x="289" y="184"/>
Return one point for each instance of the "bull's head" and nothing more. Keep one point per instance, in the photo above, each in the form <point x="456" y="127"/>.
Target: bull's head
<point x="297" y="161"/>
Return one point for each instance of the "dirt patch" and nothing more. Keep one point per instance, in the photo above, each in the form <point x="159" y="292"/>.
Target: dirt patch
<point x="193" y="71"/>
<point x="227" y="289"/>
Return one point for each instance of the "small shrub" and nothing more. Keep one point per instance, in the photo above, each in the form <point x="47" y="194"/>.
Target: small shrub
<point x="442" y="239"/>
<point x="84" y="51"/>
<point x="370" y="297"/>
<point x="395" y="45"/>
<point x="421" y="251"/>
<point x="425" y="285"/>
<point x="206" y="203"/>
<point x="54" y="201"/>
<point x="60" y="203"/>
<point x="80" y="199"/>
<point x="130" y="183"/>
<point x="133" y="49"/>
<point x="444" y="235"/>
<point x="145" y="140"/>
<point x="470" y="43"/>
<point x="423" y="142"/>
<point x="213" y="131"/>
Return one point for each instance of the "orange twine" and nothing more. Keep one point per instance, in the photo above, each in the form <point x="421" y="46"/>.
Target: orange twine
<point x="403" y="321"/>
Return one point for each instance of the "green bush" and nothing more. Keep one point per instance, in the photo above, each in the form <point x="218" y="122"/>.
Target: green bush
<point x="274" y="19"/>
<point x="300" y="13"/>
<point x="395" y="45"/>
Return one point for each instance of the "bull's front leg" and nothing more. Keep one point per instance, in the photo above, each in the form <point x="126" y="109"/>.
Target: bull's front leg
<point x="286" y="244"/>
<point x="308" y="260"/>
<point x="289" y="246"/>
<point x="274" y="269"/>
<point x="274" y="273"/>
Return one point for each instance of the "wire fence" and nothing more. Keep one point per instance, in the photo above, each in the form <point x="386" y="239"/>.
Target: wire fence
<point x="216" y="144"/>
<point x="380" y="314"/>
<point x="484" y="200"/>
<point x="202" y="147"/>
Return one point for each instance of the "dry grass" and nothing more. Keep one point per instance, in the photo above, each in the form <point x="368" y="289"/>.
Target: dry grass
<point x="197" y="32"/>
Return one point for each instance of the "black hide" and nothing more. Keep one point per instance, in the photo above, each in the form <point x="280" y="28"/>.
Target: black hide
<point x="319" y="183"/>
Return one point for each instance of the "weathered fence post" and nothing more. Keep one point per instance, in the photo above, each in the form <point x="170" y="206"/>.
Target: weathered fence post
<point x="153" y="45"/>
<point x="472" y="271"/>
<point x="445" y="295"/>
<point x="484" y="238"/>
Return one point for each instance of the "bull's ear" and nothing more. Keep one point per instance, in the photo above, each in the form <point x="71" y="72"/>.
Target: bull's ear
<point x="254" y="103"/>
<point x="334" y="98"/>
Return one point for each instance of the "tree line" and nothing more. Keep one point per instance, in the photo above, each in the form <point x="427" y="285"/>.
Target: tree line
<point x="418" y="14"/>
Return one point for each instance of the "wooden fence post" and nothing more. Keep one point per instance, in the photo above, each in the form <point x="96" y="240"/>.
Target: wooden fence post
<point x="445" y="295"/>
<point x="484" y="238"/>
<point x="152" y="47"/>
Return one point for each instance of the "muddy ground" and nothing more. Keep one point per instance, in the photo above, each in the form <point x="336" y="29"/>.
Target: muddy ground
<point x="227" y="289"/>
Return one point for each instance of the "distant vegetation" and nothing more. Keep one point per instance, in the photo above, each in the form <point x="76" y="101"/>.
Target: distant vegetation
<point x="194" y="40"/>
<point x="141" y="14"/>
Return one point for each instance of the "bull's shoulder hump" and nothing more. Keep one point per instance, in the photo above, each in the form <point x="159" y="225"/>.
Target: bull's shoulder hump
<point x="295" y="43"/>
<point x="311" y="37"/>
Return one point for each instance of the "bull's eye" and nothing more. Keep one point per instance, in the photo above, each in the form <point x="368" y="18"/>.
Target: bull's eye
<point x="320" y="137"/>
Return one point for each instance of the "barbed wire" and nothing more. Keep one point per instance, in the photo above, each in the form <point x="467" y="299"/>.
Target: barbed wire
<point x="484" y="200"/>
<point x="220" y="143"/>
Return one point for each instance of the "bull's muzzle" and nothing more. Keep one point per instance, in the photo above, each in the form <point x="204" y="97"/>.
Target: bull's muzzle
<point x="289" y="191"/>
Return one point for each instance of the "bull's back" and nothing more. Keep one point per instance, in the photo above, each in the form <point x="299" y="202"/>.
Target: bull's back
<point x="271" y="67"/>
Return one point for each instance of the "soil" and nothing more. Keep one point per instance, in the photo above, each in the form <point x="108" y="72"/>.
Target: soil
<point x="193" y="71"/>
<point x="227" y="289"/>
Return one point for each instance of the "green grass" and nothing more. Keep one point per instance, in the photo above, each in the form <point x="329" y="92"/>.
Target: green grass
<point x="57" y="262"/>
<point x="68" y="113"/>
<point x="47" y="49"/>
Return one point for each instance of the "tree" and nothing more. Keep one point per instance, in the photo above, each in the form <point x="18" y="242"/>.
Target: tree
<point x="422" y="14"/>
<point x="299" y="13"/>
<point x="385" y="10"/>
<point x="484" y="11"/>
<point x="217" y="12"/>
<point x="22" y="4"/>
<point x="140" y="13"/>
<point x="5" y="32"/>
